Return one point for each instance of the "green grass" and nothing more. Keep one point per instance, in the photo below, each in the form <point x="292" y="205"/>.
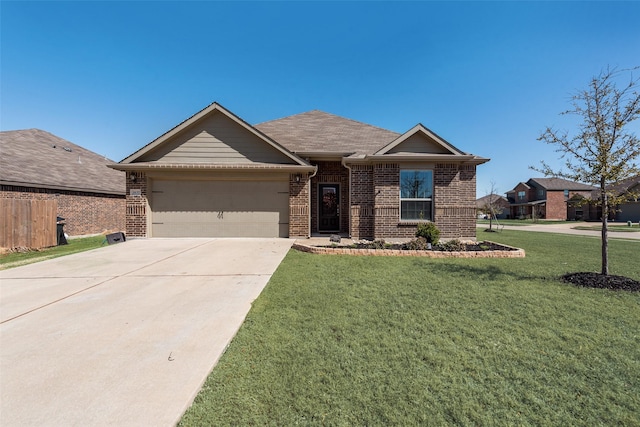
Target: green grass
<point x="622" y="228"/>
<point x="342" y="341"/>
<point x="524" y="221"/>
<point x="15" y="259"/>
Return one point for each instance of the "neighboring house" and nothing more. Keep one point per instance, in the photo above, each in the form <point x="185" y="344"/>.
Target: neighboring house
<point x="35" y="164"/>
<point x="216" y="175"/>
<point x="551" y="198"/>
<point x="630" y="210"/>
<point x="500" y="205"/>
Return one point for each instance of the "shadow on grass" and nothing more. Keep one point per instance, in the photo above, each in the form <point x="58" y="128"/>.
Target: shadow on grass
<point x="490" y="272"/>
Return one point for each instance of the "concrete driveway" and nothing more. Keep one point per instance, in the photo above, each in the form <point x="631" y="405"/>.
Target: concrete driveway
<point x="124" y="335"/>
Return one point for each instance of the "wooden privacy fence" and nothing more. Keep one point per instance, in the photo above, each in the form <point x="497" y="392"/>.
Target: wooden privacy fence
<point x="28" y="223"/>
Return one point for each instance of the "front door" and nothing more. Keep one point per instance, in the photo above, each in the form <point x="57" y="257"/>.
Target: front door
<point x="329" y="208"/>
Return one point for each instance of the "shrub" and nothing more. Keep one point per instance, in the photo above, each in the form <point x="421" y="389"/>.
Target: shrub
<point x="429" y="231"/>
<point x="452" y="246"/>
<point x="418" y="244"/>
<point x="378" y="244"/>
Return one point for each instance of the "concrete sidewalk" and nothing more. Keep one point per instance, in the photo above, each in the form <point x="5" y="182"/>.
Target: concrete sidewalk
<point x="564" y="228"/>
<point x="124" y="335"/>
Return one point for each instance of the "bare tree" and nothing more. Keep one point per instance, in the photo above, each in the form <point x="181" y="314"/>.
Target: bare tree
<point x="491" y="206"/>
<point x="603" y="150"/>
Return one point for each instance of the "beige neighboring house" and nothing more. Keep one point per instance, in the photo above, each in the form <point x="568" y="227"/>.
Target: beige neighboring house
<point x="630" y="210"/>
<point x="308" y="174"/>
<point x="35" y="164"/>
<point x="500" y="204"/>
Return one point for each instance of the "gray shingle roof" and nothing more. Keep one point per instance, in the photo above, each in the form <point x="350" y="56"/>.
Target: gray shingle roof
<point x="316" y="131"/>
<point x="554" y="184"/>
<point x="625" y="185"/>
<point x="35" y="158"/>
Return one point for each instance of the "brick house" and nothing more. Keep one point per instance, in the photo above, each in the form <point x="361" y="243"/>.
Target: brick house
<point x="551" y="198"/>
<point x="35" y="164"/>
<point x="312" y="173"/>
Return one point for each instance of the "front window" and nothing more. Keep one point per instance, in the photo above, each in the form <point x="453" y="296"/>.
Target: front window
<point x="520" y="195"/>
<point x="416" y="195"/>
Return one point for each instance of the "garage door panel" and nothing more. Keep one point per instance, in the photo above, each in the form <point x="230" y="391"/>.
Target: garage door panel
<point x="220" y="209"/>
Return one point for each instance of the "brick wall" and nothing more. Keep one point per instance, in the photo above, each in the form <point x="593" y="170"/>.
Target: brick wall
<point x="298" y="206"/>
<point x="84" y="212"/>
<point x="556" y="205"/>
<point x="136" y="213"/>
<point x="362" y="202"/>
<point x="331" y="173"/>
<point x="454" y="201"/>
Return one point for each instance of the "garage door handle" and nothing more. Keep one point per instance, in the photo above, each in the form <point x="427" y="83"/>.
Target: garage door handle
<point x="221" y="215"/>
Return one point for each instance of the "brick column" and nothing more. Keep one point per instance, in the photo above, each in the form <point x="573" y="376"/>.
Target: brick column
<point x="136" y="216"/>
<point x="299" y="206"/>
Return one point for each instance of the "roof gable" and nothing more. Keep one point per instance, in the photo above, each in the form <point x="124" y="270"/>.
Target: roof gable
<point x="36" y="158"/>
<point x="419" y="140"/>
<point x="214" y="136"/>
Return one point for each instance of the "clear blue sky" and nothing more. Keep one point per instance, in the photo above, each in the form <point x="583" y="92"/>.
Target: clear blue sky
<point x="486" y="76"/>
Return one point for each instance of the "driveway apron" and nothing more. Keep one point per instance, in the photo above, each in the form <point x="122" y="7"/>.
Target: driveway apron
<point x="124" y="335"/>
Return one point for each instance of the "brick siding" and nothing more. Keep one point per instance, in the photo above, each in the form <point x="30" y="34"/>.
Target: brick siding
<point x="362" y="202"/>
<point x="556" y="205"/>
<point x="136" y="217"/>
<point x="298" y="207"/>
<point x="84" y="212"/>
<point x="454" y="202"/>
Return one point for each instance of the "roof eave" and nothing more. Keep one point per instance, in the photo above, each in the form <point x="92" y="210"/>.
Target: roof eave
<point x="211" y="167"/>
<point x="62" y="187"/>
<point x="455" y="158"/>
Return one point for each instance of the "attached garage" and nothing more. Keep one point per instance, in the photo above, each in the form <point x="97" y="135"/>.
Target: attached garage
<point x="629" y="212"/>
<point x="220" y="208"/>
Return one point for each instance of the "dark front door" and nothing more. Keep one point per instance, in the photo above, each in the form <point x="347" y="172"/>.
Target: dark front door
<point x="329" y="207"/>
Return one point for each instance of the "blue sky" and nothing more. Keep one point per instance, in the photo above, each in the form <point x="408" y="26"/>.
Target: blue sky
<point x="486" y="76"/>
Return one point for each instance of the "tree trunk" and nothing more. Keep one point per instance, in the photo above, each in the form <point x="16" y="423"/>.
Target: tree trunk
<point x="605" y="238"/>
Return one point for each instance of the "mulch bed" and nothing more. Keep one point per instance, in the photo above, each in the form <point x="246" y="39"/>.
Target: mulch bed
<point x="596" y="280"/>
<point x="457" y="247"/>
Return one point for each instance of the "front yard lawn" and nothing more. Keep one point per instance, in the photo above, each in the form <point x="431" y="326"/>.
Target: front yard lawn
<point x="347" y="340"/>
<point x="81" y="244"/>
<point x="610" y="227"/>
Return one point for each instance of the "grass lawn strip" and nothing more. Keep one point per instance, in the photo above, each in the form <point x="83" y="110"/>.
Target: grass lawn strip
<point x="16" y="259"/>
<point x="340" y="340"/>
<point x="621" y="228"/>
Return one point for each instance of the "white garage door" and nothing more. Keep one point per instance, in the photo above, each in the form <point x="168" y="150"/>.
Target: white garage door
<point x="220" y="208"/>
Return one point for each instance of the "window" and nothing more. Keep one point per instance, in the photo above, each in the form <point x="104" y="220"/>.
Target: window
<point x="566" y="193"/>
<point x="521" y="195"/>
<point x="416" y="195"/>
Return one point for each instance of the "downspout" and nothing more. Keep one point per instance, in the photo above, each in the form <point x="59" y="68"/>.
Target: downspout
<point x="349" y="206"/>
<point x="315" y="172"/>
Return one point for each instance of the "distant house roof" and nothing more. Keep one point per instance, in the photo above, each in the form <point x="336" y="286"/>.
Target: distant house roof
<point x="319" y="132"/>
<point x="493" y="198"/>
<point x="625" y="185"/>
<point x="520" y="183"/>
<point x="555" y="184"/>
<point x="36" y="158"/>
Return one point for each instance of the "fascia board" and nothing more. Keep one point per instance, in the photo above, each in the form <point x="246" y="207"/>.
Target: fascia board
<point x="466" y="158"/>
<point x="211" y="167"/>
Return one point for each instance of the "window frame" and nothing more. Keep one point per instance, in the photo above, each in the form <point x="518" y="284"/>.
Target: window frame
<point x="522" y="195"/>
<point x="431" y="190"/>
